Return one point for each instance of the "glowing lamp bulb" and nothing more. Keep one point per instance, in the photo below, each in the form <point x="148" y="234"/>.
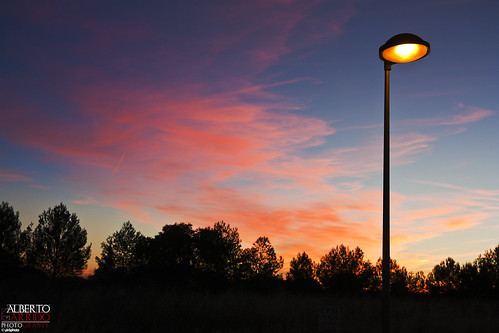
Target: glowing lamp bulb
<point x="405" y="53"/>
<point x="404" y="48"/>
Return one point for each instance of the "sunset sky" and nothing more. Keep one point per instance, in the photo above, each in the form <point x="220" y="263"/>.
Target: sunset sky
<point x="267" y="114"/>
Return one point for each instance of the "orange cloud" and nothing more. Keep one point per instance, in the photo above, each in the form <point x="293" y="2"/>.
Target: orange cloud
<point x="454" y="209"/>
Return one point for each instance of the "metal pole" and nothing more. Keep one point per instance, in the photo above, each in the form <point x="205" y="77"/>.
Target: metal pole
<point x="386" y="206"/>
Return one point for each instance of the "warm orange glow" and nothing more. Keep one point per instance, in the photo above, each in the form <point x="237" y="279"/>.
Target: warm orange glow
<point x="405" y="53"/>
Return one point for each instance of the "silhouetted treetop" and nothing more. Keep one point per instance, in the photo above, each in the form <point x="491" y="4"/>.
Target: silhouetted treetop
<point x="10" y="235"/>
<point x="488" y="267"/>
<point x="260" y="261"/>
<point x="469" y="282"/>
<point x="344" y="270"/>
<point x="416" y="283"/>
<point x="218" y="249"/>
<point x="444" y="277"/>
<point x="212" y="256"/>
<point x="398" y="276"/>
<point x="301" y="275"/>
<point x="58" y="243"/>
<point x="119" y="251"/>
<point x="301" y="268"/>
<point x="173" y="248"/>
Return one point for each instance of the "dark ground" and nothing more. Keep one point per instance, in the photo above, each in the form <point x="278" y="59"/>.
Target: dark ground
<point x="87" y="306"/>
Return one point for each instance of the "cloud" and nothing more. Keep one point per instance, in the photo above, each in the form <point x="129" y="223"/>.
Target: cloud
<point x="406" y="146"/>
<point x="14" y="176"/>
<point x="85" y="200"/>
<point x="203" y="159"/>
<point x="472" y="114"/>
<point x="41" y="187"/>
<point x="268" y="30"/>
<point x="469" y="114"/>
<point x="449" y="210"/>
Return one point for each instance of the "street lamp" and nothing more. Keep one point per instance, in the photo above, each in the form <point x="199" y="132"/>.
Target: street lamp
<point x="401" y="48"/>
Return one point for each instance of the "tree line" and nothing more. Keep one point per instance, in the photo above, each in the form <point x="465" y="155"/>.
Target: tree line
<point x="213" y="256"/>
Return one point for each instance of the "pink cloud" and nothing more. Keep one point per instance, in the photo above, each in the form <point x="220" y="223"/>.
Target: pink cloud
<point x="180" y="169"/>
<point x="85" y="200"/>
<point x="41" y="187"/>
<point x="14" y="176"/>
<point x="405" y="146"/>
<point x="469" y="114"/>
<point x="366" y="159"/>
<point x="472" y="114"/>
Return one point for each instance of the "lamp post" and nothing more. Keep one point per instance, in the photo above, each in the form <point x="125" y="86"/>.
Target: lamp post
<point x="401" y="48"/>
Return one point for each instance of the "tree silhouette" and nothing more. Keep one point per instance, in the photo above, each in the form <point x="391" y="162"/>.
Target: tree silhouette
<point x="119" y="251"/>
<point x="416" y="283"/>
<point x="301" y="268"/>
<point x="260" y="261"/>
<point x="468" y="279"/>
<point x="57" y="246"/>
<point x="10" y="236"/>
<point x="301" y="273"/>
<point x="444" y="277"/>
<point x="218" y="250"/>
<point x="58" y="243"/>
<point x="488" y="270"/>
<point x="343" y="270"/>
<point x="171" y="252"/>
<point x="398" y="276"/>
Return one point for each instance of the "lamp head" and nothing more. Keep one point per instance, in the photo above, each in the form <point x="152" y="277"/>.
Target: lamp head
<point x="403" y="48"/>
